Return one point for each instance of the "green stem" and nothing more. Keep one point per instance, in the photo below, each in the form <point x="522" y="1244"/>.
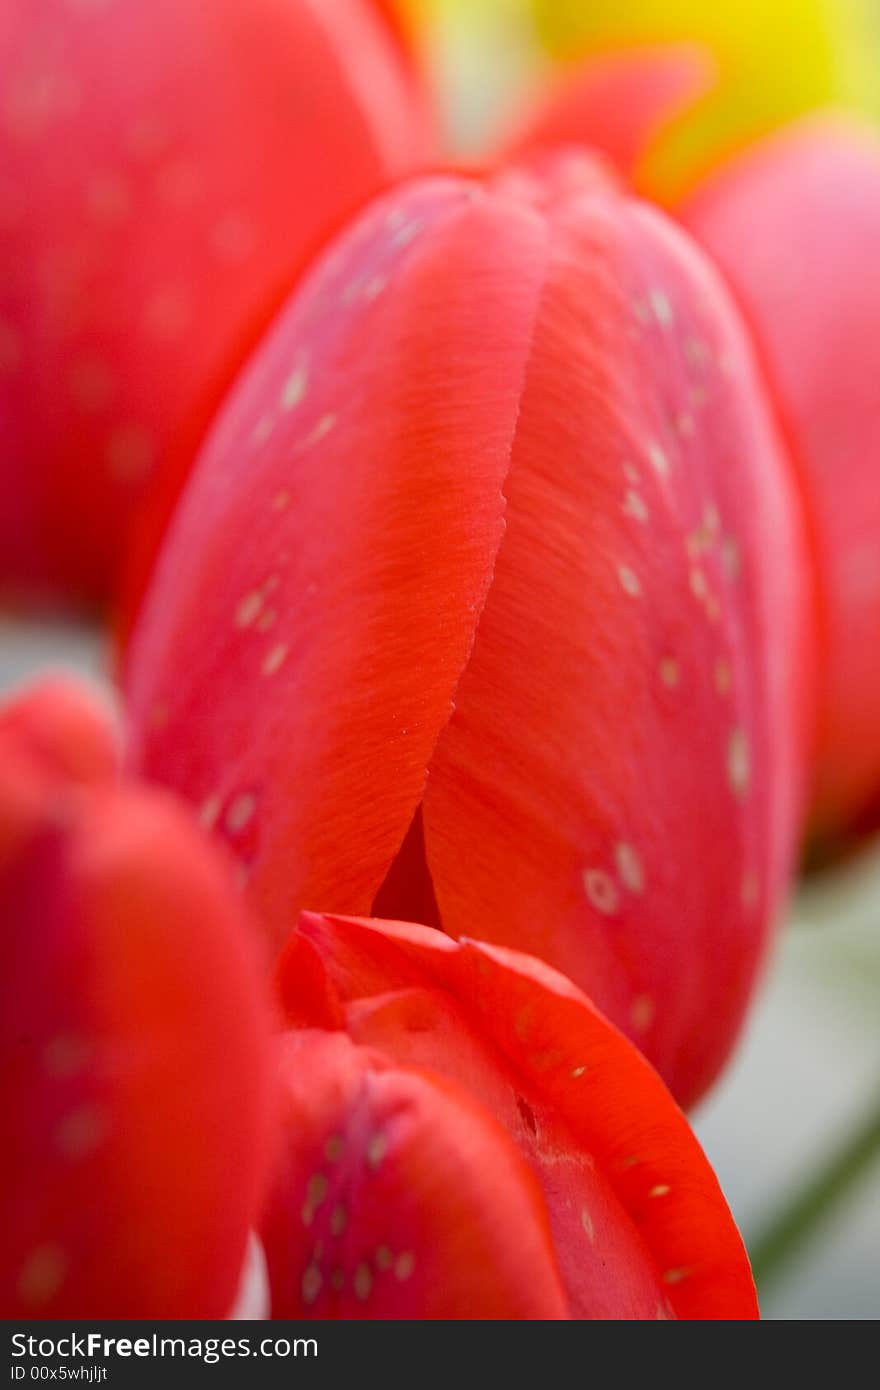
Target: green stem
<point x="814" y="1203"/>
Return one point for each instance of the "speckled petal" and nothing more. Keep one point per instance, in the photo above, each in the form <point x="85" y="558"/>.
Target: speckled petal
<point x="397" y="1196"/>
<point x="640" y="1225"/>
<point x="795" y="224"/>
<point x="620" y="786"/>
<point x="317" y="598"/>
<point x="135" y="1039"/>
<point x="167" y="166"/>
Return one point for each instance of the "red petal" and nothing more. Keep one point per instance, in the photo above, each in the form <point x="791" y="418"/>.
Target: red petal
<point x="617" y="103"/>
<point x="167" y="166"/>
<point x="639" y="1221"/>
<point x="329" y="563"/>
<point x="795" y="223"/>
<point x="398" y="1197"/>
<point x="619" y="787"/>
<point x="69" y="728"/>
<point x="136" y="1041"/>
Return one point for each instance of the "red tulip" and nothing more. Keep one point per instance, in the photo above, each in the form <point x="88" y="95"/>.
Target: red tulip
<point x="68" y="728"/>
<point x="165" y="168"/>
<point x="795" y="224"/>
<point x="466" y="1137"/>
<point x="467" y="615"/>
<point x="134" y="1038"/>
<point x="793" y="220"/>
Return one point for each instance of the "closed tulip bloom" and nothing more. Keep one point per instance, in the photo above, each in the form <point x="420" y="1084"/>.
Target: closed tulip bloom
<point x="467" y="616"/>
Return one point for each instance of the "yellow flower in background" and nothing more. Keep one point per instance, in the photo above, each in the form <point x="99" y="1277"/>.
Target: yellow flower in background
<point x="776" y="59"/>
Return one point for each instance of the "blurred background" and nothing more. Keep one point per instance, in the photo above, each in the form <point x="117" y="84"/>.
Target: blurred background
<point x="793" y="1128"/>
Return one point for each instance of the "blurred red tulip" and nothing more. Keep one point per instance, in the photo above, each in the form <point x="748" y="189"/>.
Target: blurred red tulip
<point x="165" y="168"/>
<point x="482" y="1144"/>
<point x="794" y="223"/>
<point x="466" y="615"/>
<point x="135" y="1038"/>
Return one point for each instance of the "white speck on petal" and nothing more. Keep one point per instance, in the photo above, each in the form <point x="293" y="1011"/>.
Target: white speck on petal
<point x="670" y="672"/>
<point x="629" y="867"/>
<point x="601" y="891"/>
<point x="738" y="763"/>
<point x="662" y="307"/>
<point x="321" y="430"/>
<point x="295" y="387"/>
<point x="629" y="581"/>
<point x="376" y="1150"/>
<point x="210" y="810"/>
<point x="587" y="1224"/>
<point x="263" y="429"/>
<point x="240" y="812"/>
<point x="275" y="659"/>
<point x="634" y="506"/>
<point x="248" y="609"/>
<point x="659" y="460"/>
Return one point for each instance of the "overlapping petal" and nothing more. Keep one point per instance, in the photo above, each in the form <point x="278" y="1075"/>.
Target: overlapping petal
<point x="378" y="700"/>
<point x="318" y="598"/>
<point x="638" y="1224"/>
<point x="399" y="1197"/>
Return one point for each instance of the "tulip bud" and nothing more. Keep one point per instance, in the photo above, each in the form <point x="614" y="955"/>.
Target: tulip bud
<point x="135" y="1039"/>
<point x="467" y="613"/>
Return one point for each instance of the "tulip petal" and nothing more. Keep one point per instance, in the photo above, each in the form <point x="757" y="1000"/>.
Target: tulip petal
<point x="330" y="561"/>
<point x="640" y="1224"/>
<point x="168" y="165"/>
<point x="795" y="224"/>
<point x="399" y="1197"/>
<point x="67" y="727"/>
<point x="619" y="787"/>
<point x="136" y="1049"/>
